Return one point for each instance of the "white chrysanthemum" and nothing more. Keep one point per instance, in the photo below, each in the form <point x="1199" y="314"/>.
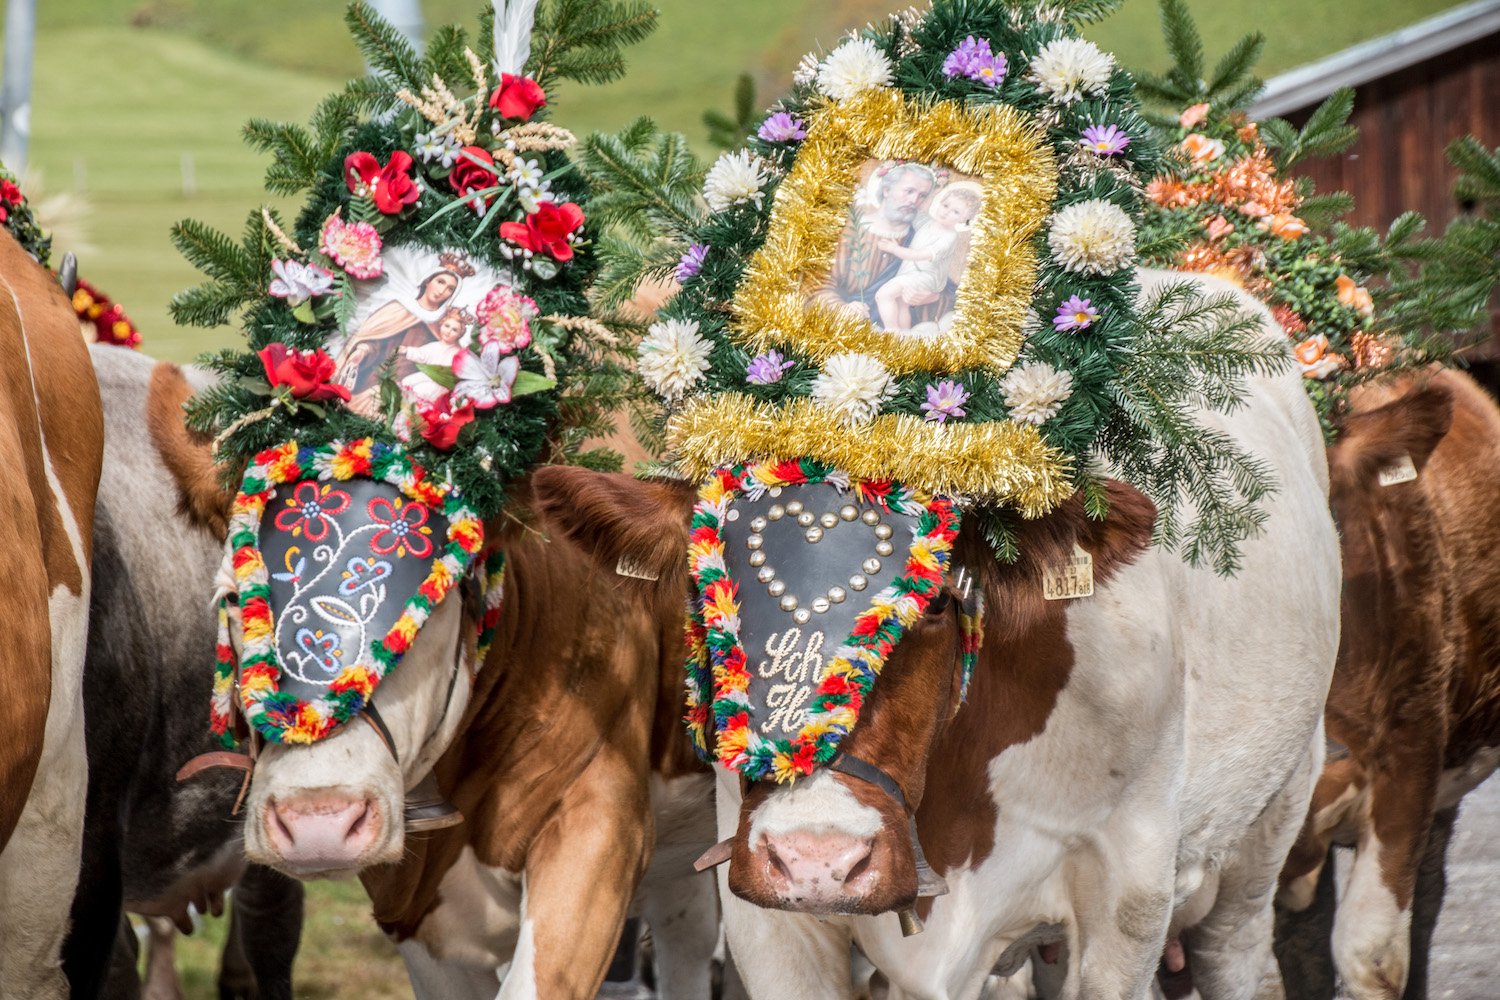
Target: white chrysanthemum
<point x="1093" y="236"/>
<point x="807" y="70"/>
<point x="672" y="357"/>
<point x="853" y="386"/>
<point x="853" y="68"/>
<point x="1036" y="392"/>
<point x="1069" y="68"/>
<point x="734" y="179"/>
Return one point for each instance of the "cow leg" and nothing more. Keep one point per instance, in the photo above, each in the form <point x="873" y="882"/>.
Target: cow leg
<point x="265" y="927"/>
<point x="123" y="981"/>
<point x="581" y="873"/>
<point x="1304" y="941"/>
<point x="97" y="917"/>
<point x="683" y="914"/>
<point x="1122" y="902"/>
<point x="436" y="979"/>
<point x="1432" y="884"/>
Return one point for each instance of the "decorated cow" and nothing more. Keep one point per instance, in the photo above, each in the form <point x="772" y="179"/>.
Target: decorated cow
<point x="938" y="438"/>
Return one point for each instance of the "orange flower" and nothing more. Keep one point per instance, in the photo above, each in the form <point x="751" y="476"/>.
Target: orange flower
<point x="1218" y="227"/>
<point x="1255" y="210"/>
<point x="1202" y="149"/>
<point x="1354" y="296"/>
<point x="1249" y="132"/>
<point x="1311" y="350"/>
<point x="1287" y="226"/>
<point x="1193" y="115"/>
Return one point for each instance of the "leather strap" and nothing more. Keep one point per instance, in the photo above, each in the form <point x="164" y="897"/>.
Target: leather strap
<point x="929" y="882"/>
<point x="371" y="714"/>
<point x="216" y="758"/>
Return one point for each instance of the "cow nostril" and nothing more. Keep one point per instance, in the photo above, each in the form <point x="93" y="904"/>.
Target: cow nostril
<point x="279" y="826"/>
<point x="778" y="867"/>
<point x="360" y="821"/>
<point x="858" y="868"/>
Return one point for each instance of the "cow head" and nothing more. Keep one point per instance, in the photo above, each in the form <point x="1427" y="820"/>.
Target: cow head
<point x="840" y="840"/>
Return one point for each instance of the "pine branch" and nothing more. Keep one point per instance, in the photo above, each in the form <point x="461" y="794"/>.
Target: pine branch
<point x="582" y="39"/>
<point x="384" y="48"/>
<point x="632" y="177"/>
<point x="1184" y="44"/>
<point x="728" y="131"/>
<point x="1235" y="65"/>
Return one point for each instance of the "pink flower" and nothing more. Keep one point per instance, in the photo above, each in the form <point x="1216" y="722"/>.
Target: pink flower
<point x="1218" y="227"/>
<point x="1106" y="140"/>
<point x="485" y="379"/>
<point x="505" y="318"/>
<point x="1075" y="314"/>
<point x="354" y="246"/>
<point x="1193" y="115"/>
<point x="1202" y="149"/>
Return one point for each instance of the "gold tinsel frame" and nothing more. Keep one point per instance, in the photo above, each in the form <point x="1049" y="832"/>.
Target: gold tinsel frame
<point x="1008" y="153"/>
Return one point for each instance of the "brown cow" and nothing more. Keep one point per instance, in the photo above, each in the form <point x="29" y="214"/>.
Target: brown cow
<point x="1415" y="701"/>
<point x="50" y="441"/>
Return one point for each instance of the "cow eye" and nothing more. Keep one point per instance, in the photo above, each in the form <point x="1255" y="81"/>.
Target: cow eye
<point x="939" y="603"/>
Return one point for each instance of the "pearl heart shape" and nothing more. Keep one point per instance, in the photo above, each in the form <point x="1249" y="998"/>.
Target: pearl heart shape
<point x="814" y="527"/>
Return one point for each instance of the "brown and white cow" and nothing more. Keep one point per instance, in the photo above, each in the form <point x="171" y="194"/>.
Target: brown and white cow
<point x="1415" y="700"/>
<point x="1128" y="766"/>
<point x="50" y="440"/>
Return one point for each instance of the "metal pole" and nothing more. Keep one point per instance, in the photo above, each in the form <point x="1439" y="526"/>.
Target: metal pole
<point x="405" y="16"/>
<point x="15" y="94"/>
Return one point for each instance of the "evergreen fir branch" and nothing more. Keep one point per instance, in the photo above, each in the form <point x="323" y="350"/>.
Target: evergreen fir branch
<point x="299" y="157"/>
<point x="581" y="39"/>
<point x="1326" y="133"/>
<point x="1480" y="178"/>
<point x="216" y="254"/>
<point x="445" y="54"/>
<point x="207" y="305"/>
<point x="1232" y="84"/>
<point x="385" y="49"/>
<point x="998" y="527"/>
<point x="635" y="181"/>
<point x="1184" y="45"/>
<point x="1321" y="210"/>
<point x="728" y="131"/>
<point x="1083" y="12"/>
<point x="1235" y="66"/>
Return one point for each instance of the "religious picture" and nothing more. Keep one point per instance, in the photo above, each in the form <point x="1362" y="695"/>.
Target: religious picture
<point x="904" y="248"/>
<point x="420" y="311"/>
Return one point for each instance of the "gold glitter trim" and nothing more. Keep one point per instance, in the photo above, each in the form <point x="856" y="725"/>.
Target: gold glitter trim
<point x="1001" y="146"/>
<point x="997" y="460"/>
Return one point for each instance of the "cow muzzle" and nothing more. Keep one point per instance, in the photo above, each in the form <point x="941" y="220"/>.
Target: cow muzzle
<point x="316" y="834"/>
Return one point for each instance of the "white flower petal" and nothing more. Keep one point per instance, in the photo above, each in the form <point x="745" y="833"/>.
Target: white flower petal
<point x="1094" y="236"/>
<point x="1034" y="393"/>
<point x="853" y="385"/>
<point x="734" y="179"/>
<point x="672" y="358"/>
<point x="853" y="68"/>
<point x="1070" y="68"/>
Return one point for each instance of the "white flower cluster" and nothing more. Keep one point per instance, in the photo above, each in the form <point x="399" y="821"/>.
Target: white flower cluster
<point x="1070" y="68"/>
<point x="1034" y="393"/>
<point x="734" y="179"/>
<point x="1094" y="236"/>
<point x="853" y="386"/>
<point x="532" y="186"/>
<point x="672" y="358"/>
<point x="443" y="148"/>
<point x="853" y="68"/>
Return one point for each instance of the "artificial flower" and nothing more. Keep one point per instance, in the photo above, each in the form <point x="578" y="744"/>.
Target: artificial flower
<point x="1218" y="227"/>
<point x="1201" y="149"/>
<point x="390" y="187"/>
<point x="734" y="179"/>
<point x="1168" y="193"/>
<point x="767" y="368"/>
<point x="853" y="68"/>
<point x="853" y="386"/>
<point x="1354" y="296"/>
<point x="1094" y="236"/>
<point x="505" y="318"/>
<point x="547" y="230"/>
<point x="353" y="246"/>
<point x="1075" y="314"/>
<point x="10" y="193"/>
<point x="1036" y="392"/>
<point x="807" y="69"/>
<point x="973" y="60"/>
<point x="297" y="282"/>
<point x="944" y="400"/>
<point x="517" y="97"/>
<point x="308" y="375"/>
<point x="1285" y="225"/>
<point x="1193" y="115"/>
<point x="672" y="357"/>
<point x="484" y="379"/>
<point x="474" y="171"/>
<point x="443" y="148"/>
<point x="1106" y="140"/>
<point x="782" y="127"/>
<point x="1070" y="68"/>
<point x="691" y="262"/>
<point x="1312" y="354"/>
<point x="442" y="420"/>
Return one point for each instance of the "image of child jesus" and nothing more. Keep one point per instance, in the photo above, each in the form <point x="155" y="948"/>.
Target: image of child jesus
<point x="418" y="386"/>
<point x="929" y="261"/>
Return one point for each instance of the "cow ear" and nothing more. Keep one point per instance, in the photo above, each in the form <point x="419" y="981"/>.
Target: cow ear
<point x="1123" y="535"/>
<point x="637" y="528"/>
<point x="1375" y="440"/>
<point x="188" y="456"/>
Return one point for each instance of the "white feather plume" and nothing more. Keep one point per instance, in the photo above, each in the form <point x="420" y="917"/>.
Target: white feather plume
<point x="513" y="22"/>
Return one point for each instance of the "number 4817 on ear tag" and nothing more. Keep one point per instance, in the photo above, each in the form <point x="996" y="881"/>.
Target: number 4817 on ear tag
<point x="1074" y="577"/>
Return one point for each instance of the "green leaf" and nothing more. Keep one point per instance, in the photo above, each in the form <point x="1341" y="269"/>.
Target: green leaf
<point x="304" y="313"/>
<point x="528" y="383"/>
<point x="544" y="268"/>
<point x="441" y="374"/>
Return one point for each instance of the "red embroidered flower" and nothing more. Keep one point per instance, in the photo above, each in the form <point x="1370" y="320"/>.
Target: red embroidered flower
<point x="517" y="97"/>
<point x="547" y="229"/>
<point x="308" y="374"/>
<point x="390" y="187"/>
<point x="442" y="421"/>
<point x="309" y="508"/>
<point x="405" y="530"/>
<point x="474" y="171"/>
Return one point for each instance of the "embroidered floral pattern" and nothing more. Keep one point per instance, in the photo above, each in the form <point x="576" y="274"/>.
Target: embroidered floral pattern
<point x="308" y="509"/>
<point x="405" y="532"/>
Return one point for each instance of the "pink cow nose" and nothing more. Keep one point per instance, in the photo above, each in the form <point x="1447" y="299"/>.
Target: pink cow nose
<point x="818" y="868"/>
<point x="322" y="832"/>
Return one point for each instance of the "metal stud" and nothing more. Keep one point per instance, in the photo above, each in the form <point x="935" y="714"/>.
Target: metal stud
<point x="837" y="595"/>
<point x="815" y="534"/>
<point x="829" y="520"/>
<point x="806" y="518"/>
<point x="759" y="524"/>
<point x="775" y="491"/>
<point x="753" y="542"/>
<point x="884" y="548"/>
<point x="788" y="603"/>
<point x="881" y="530"/>
<point x="857" y="582"/>
<point x="871" y="566"/>
<point x="776" y="513"/>
<point x="849" y="512"/>
<point x="734" y="515"/>
<point x="820" y="604"/>
<point x="870" y="517"/>
<point x="776" y="588"/>
<point x="757" y="559"/>
<point x="766" y="574"/>
<point x="794" y="508"/>
<point x="802" y="616"/>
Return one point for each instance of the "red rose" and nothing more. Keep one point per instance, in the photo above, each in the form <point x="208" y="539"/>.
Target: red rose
<point x="546" y="230"/>
<point x="9" y="193"/>
<point x="469" y="175"/>
<point x="307" y="374"/>
<point x="517" y="97"/>
<point x="441" y="422"/>
<point x="4" y="213"/>
<point x="390" y="187"/>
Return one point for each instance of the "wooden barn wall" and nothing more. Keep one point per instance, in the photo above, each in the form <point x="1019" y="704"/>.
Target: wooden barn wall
<point x="1406" y="120"/>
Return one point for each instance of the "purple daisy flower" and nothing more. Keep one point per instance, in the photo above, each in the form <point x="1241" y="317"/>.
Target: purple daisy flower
<point x="974" y="60"/>
<point x="782" y="127"/>
<point x="944" y="400"/>
<point x="1075" y="314"/>
<point x="1106" y="140"/>
<point x="767" y="369"/>
<point x="691" y="263"/>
